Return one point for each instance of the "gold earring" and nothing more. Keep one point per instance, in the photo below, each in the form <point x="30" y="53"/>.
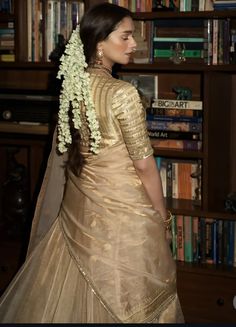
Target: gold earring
<point x="99" y="56"/>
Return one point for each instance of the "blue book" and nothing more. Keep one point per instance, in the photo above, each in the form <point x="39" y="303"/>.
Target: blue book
<point x="172" y="119"/>
<point x="230" y="245"/>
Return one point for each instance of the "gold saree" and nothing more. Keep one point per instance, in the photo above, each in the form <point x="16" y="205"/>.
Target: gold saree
<point x="98" y="252"/>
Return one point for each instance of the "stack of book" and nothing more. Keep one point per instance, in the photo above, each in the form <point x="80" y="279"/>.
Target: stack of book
<point x="204" y="240"/>
<point x="134" y="5"/>
<point x="181" y="179"/>
<point x="7" y="6"/>
<point x="61" y="18"/>
<point x="224" y="4"/>
<point x="188" y="33"/>
<point x="7" y="41"/>
<point x="175" y="124"/>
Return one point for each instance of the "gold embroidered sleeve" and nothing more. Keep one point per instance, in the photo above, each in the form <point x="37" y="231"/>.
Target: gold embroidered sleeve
<point x="131" y="116"/>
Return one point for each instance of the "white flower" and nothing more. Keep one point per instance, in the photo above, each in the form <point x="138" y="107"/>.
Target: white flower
<point x="75" y="90"/>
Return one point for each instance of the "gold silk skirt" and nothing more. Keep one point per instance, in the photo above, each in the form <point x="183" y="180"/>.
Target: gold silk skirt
<point x="105" y="259"/>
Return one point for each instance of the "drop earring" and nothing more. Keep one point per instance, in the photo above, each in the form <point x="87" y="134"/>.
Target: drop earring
<point x="99" y="56"/>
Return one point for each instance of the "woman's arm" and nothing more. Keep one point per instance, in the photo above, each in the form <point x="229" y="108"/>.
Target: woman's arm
<point x="150" y="177"/>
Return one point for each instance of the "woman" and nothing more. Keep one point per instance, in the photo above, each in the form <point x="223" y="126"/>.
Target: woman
<point x="98" y="249"/>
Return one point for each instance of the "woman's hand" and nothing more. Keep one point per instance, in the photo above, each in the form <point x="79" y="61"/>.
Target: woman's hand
<point x="168" y="236"/>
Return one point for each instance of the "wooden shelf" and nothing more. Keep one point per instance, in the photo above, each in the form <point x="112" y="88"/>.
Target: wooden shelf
<point x="24" y="128"/>
<point x="207" y="269"/>
<point x="184" y="67"/>
<point x="162" y="14"/>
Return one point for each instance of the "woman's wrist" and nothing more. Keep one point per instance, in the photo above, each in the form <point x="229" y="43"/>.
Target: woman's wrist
<point x="168" y="220"/>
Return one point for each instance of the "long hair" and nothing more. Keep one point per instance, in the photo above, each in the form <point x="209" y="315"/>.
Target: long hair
<point x="96" y="25"/>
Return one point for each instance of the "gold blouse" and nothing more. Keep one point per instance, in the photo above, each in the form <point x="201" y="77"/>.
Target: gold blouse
<point x="120" y="114"/>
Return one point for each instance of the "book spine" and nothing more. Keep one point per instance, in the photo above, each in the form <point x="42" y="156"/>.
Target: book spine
<point x="169" y="179"/>
<point x="174" y="119"/>
<point x="176" y="112"/>
<point x="175" y="135"/>
<point x="194" y="46"/>
<point x="209" y="240"/>
<point x="234" y="244"/>
<point x="230" y="247"/>
<point x="195" y="239"/>
<point x="166" y="53"/>
<point x="208" y="42"/>
<point x="202" y="233"/>
<point x="215" y="42"/>
<point x="188" y="241"/>
<point x="177" y="39"/>
<point x="175" y="180"/>
<point x="180" y="237"/>
<point x="220" y="241"/>
<point x="174" y="238"/>
<point x="177" y="144"/>
<point x="175" y="126"/>
<point x="177" y="104"/>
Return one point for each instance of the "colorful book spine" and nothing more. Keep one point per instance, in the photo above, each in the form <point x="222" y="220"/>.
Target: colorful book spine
<point x="175" y="135"/>
<point x="178" y="39"/>
<point x="174" y="119"/>
<point x="177" y="104"/>
<point x="195" y="225"/>
<point x="177" y="144"/>
<point x="180" y="237"/>
<point x="167" y="53"/>
<point x="174" y="126"/>
<point x="174" y="238"/>
<point x="188" y="239"/>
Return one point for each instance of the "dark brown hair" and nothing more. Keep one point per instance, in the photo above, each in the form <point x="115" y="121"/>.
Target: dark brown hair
<point x="96" y="25"/>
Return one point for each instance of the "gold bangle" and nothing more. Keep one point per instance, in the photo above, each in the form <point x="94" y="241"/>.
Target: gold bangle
<point x="168" y="220"/>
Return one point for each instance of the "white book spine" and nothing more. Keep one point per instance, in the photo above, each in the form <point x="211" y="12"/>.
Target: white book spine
<point x="177" y="104"/>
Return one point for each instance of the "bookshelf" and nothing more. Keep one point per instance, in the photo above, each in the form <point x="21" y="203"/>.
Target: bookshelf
<point x="206" y="291"/>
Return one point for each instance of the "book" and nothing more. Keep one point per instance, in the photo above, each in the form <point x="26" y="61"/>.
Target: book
<point x="234" y="245"/>
<point x="230" y="243"/>
<point x="167" y="53"/>
<point x="180" y="237"/>
<point x="209" y="244"/>
<point x="173" y="112"/>
<point x="178" y="104"/>
<point x="7" y="57"/>
<point x="177" y="144"/>
<point x="178" y="39"/>
<point x="195" y="230"/>
<point x="208" y="26"/>
<point x="188" y="239"/>
<point x="175" y="135"/>
<point x="155" y="125"/>
<point x="178" y="31"/>
<point x="174" y="238"/>
<point x="202" y="237"/>
<point x="173" y="119"/>
<point x="186" y="185"/>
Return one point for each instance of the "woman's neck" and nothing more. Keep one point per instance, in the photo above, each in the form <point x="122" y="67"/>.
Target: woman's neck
<point x="102" y="67"/>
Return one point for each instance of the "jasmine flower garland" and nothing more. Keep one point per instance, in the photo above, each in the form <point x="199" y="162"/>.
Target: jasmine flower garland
<point x="75" y="90"/>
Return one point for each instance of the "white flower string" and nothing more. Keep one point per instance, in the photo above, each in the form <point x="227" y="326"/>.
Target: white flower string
<point x="75" y="90"/>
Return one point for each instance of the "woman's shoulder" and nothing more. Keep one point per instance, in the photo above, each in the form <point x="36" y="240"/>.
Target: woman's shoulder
<point x="121" y="87"/>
